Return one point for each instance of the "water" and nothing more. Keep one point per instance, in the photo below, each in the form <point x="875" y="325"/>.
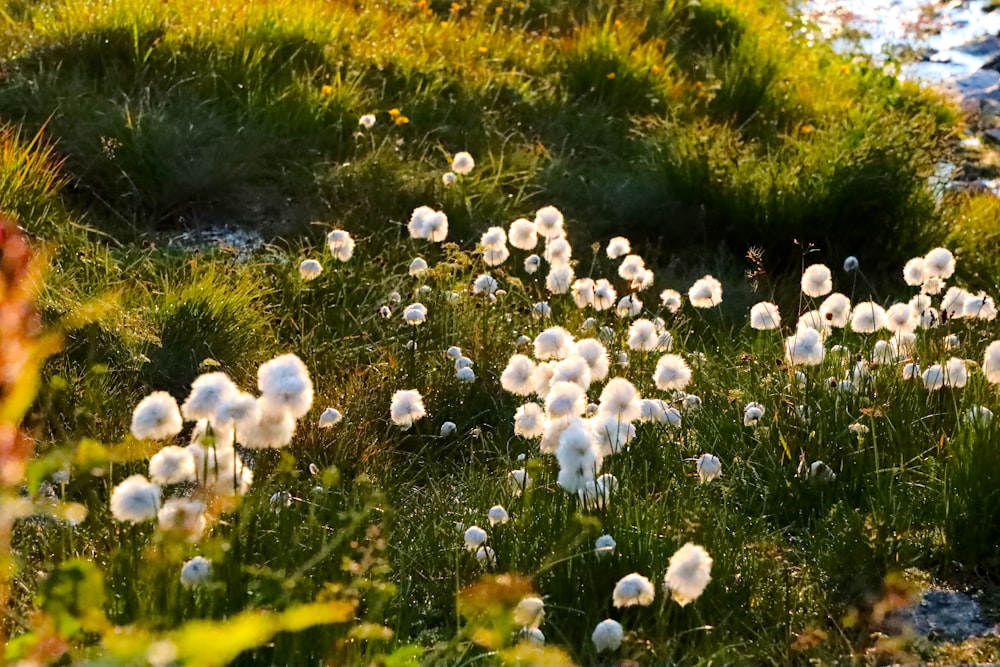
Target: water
<point x="942" y="33"/>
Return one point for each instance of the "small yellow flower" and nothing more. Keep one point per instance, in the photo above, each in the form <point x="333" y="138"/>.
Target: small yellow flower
<point x="617" y="24"/>
<point x="326" y="90"/>
<point x="482" y="49"/>
<point x="499" y="10"/>
<point x="455" y="6"/>
<point x="657" y="69"/>
<point x="806" y="129"/>
<point x="402" y="120"/>
<point x="611" y="76"/>
<point x="394" y="113"/>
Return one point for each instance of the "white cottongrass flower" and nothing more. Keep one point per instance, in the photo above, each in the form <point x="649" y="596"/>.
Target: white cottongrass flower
<point x="604" y="546"/>
<point x="752" y="413"/>
<point x="631" y="267"/>
<point x="341" y="244"/>
<point x="689" y="572"/>
<point x="851" y="264"/>
<point x="435" y="226"/>
<point x="633" y="589"/>
<point x="868" y="317"/>
<point x="183" y="515"/>
<point x="272" y="429"/>
<point x="628" y="306"/>
<point x="955" y="373"/>
<point x="553" y="343"/>
<point x="643" y="336"/>
<point x="643" y="281"/>
<point x="815" y="320"/>
<point x="136" y="499"/>
<point x="558" y="251"/>
<point x="979" y="415"/>
<point x="156" y="417"/>
<point x="594" y="353"/>
<point x="448" y="428"/>
<point x="709" y="467"/>
<point x="618" y="247"/>
<point x="462" y="163"/>
<point x="607" y="635"/>
<point x="542" y="378"/>
<point x="901" y="318"/>
<point x="582" y="291"/>
<point x="486" y="556"/>
<point x="518" y="376"/>
<point x="933" y="377"/>
<point x="672" y="372"/>
<point x="884" y="353"/>
<point x="691" y="402"/>
<point x="494" y="237"/>
<point x="415" y="314"/>
<point x="453" y="352"/>
<point x="836" y="310"/>
<point x="560" y="279"/>
<point x="932" y="286"/>
<point x="475" y="537"/>
<point x="805" y="348"/>
<point x="529" y="612"/>
<point x="604" y="295"/>
<point x="549" y="222"/>
<point x="497" y="514"/>
<point x="913" y="272"/>
<point x="533" y="636"/>
<point x="519" y="481"/>
<point x="705" y="292"/>
<point x="463" y="362"/>
<point x="522" y="234"/>
<point x="939" y="263"/>
<point x="465" y="374"/>
<point x="658" y="411"/>
<point x="196" y="572"/>
<point x="531" y="264"/>
<point x="817" y="280"/>
<point x="620" y="398"/>
<point x="285" y="385"/>
<point x="953" y="302"/>
<point x="417" y="267"/>
<point x="980" y="306"/>
<point x="572" y="369"/>
<point x="330" y="417"/>
<point x="172" y="465"/>
<point x="367" y="121"/>
<point x="951" y="342"/>
<point x="485" y="284"/>
<point x="565" y="399"/>
<point x="449" y="178"/>
<point x="407" y="406"/>
<point x="671" y="300"/>
<point x="991" y="362"/>
<point x="496" y="255"/>
<point x="578" y="456"/>
<point x="309" y="269"/>
<point x="236" y="408"/>
<point x="764" y="316"/>
<point x="208" y="391"/>
<point x="418" y="221"/>
<point x="611" y="432"/>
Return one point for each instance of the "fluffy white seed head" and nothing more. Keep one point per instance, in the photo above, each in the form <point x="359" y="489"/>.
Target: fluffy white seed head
<point x="582" y="291"/>
<point x="836" y="310"/>
<point x="341" y="244"/>
<point x="462" y="163"/>
<point x="991" y="362"/>
<point x="560" y="279"/>
<point x="594" y="353"/>
<point x="939" y="263"/>
<point x="330" y="417"/>
<point x="607" y="635"/>
<point x="475" y="537"/>
<point x="135" y="500"/>
<point x="671" y="300"/>
<point x="529" y="613"/>
<point x="523" y="234"/>
<point x="805" y="348"/>
<point x="172" y="465"/>
<point x="817" y="280"/>
<point x="309" y="269"/>
<point x="497" y="514"/>
<point x="208" y="391"/>
<point x="764" y="316"/>
<point x="672" y="372"/>
<point x="417" y="267"/>
<point x="604" y="546"/>
<point x="913" y="272"/>
<point x="689" y="572"/>
<point x="553" y="343"/>
<point x="415" y="314"/>
<point x="705" y="292"/>
<point x="558" y="251"/>
<point x="868" y="317"/>
<point x="406" y="407"/>
<point x="285" y="385"/>
<point x="618" y="247"/>
<point x="565" y="399"/>
<point x="631" y="267"/>
<point x="709" y="467"/>
<point x="518" y="376"/>
<point x="604" y="295"/>
<point x="156" y="417"/>
<point x="633" y="589"/>
<point x="196" y="572"/>
<point x="549" y="222"/>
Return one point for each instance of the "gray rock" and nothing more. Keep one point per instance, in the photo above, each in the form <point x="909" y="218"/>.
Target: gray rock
<point x="979" y="82"/>
<point x="993" y="135"/>
<point x="985" y="47"/>
<point x="944" y="615"/>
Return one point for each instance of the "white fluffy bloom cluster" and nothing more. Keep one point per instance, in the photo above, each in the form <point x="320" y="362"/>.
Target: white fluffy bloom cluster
<point x="463" y="163"/>
<point x="764" y="316"/>
<point x="426" y="223"/>
<point x="805" y="348"/>
<point x="633" y="589"/>
<point x="196" y="572"/>
<point x="309" y="269"/>
<point x="415" y="314"/>
<point x="706" y="292"/>
<point x="607" y="635"/>
<point x="407" y="406"/>
<point x="817" y="280"/>
<point x="689" y="572"/>
<point x="618" y="247"/>
<point x="341" y="244"/>
<point x="991" y="362"/>
<point x="709" y="467"/>
<point x="156" y="417"/>
<point x="135" y="500"/>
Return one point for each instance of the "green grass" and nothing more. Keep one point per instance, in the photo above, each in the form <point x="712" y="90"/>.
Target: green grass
<point x="697" y="130"/>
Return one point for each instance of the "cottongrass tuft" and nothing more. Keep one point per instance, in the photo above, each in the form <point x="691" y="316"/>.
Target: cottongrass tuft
<point x="553" y="343"/>
<point x="497" y="514"/>
<point x="529" y="612"/>
<point x="689" y="572"/>
<point x="196" y="572"/>
<point x="991" y="362"/>
<point x="172" y="465"/>
<point x="764" y="316"/>
<point x="367" y="121"/>
<point x="341" y="244"/>
<point x="417" y="267"/>
<point x="519" y="481"/>
<point x="208" y="391"/>
<point x="805" y="348"/>
<point x="156" y="417"/>
<point x="706" y="292"/>
<point x="868" y="317"/>
<point x="415" y="314"/>
<point x="549" y="222"/>
<point x="475" y="537"/>
<point x="448" y="428"/>
<point x="285" y="385"/>
<point x="604" y="546"/>
<point x="671" y="300"/>
<point x="531" y="263"/>
<point x="608" y="635"/>
<point x="135" y="500"/>
<point x="407" y="406"/>
<point x="709" y="467"/>
<point x="633" y="589"/>
<point x="309" y="269"/>
<point x="463" y="163"/>
<point x="618" y="247"/>
<point x="485" y="284"/>
<point x="183" y="516"/>
<point x="518" y="377"/>
<point x="522" y="234"/>
<point x="672" y="372"/>
<point x="939" y="263"/>
<point x="330" y="417"/>
<point x="817" y="280"/>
